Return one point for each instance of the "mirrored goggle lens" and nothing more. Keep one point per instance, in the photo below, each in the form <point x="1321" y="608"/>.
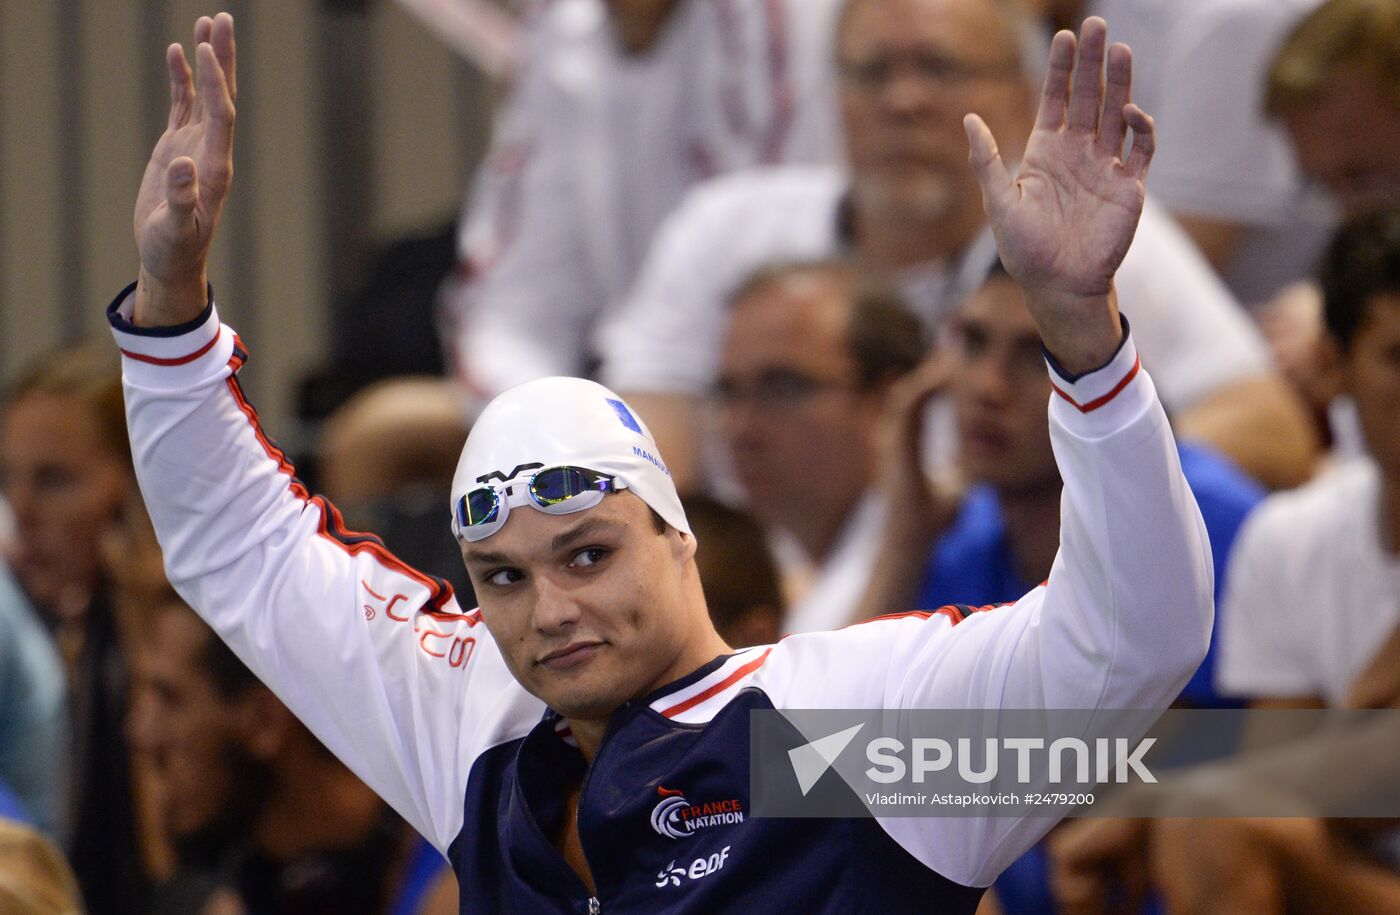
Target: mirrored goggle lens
<point x="559" y="484"/>
<point x="480" y="506"/>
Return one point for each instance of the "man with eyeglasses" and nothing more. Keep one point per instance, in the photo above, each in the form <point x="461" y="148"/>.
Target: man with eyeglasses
<point x="548" y="742"/>
<point x="907" y="207"/>
<point x="809" y="357"/>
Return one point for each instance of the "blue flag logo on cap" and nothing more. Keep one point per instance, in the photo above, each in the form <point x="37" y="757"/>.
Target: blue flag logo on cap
<point x="626" y="416"/>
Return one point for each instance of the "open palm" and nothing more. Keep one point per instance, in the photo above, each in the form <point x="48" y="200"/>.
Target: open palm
<point x="1065" y="222"/>
<point x="188" y="176"/>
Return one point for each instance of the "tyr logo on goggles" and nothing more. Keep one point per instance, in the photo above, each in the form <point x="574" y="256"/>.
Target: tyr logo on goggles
<point x="553" y="490"/>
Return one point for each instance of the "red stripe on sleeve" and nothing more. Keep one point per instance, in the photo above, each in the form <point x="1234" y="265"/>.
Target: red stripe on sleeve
<point x="332" y="525"/>
<point x="182" y="360"/>
<point x="1100" y="401"/>
<point x="921" y="614"/>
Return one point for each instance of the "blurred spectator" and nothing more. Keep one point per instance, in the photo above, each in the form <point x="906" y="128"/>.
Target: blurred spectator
<point x="1222" y="167"/>
<point x="911" y="208"/>
<point x="135" y="571"/>
<point x="1310" y="619"/>
<point x="67" y="475"/>
<point x="619" y="107"/>
<point x="737" y="572"/>
<point x="1335" y="542"/>
<point x="253" y="804"/>
<point x="67" y="472"/>
<point x="1335" y="86"/>
<point x="34" y="746"/>
<point x="996" y="541"/>
<point x="1293" y="325"/>
<point x="1236" y="87"/>
<point x="387" y="328"/>
<point x="1000" y="538"/>
<point x="386" y="460"/>
<point x="34" y="878"/>
<point x="807" y="361"/>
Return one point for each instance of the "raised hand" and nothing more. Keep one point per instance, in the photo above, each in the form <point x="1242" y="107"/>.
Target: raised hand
<point x="1065" y="222"/>
<point x="187" y="179"/>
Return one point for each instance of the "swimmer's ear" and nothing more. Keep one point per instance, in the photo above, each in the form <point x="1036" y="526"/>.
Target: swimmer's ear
<point x="683" y="545"/>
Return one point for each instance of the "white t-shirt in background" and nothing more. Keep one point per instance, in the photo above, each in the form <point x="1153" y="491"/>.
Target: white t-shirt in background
<point x="1312" y="593"/>
<point x="1200" y="69"/>
<point x="829" y="593"/>
<point x="1192" y="334"/>
<point x="594" y="147"/>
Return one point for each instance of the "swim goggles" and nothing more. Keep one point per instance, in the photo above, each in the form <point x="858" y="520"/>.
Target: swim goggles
<point x="553" y="490"/>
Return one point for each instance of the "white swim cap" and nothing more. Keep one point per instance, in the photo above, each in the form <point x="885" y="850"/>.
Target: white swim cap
<point x="551" y="422"/>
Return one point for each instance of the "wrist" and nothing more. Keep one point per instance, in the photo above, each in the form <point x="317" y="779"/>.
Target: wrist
<point x="1080" y="335"/>
<point x="160" y="303"/>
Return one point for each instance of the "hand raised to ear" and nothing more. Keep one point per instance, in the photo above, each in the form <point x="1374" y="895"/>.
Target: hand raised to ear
<point x="187" y="178"/>
<point x="918" y="509"/>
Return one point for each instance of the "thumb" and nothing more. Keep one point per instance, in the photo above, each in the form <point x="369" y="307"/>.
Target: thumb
<point x="181" y="188"/>
<point x="986" y="162"/>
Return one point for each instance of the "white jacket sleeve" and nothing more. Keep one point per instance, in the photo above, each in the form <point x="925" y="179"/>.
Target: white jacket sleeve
<point x="1122" y="623"/>
<point x="374" y="657"/>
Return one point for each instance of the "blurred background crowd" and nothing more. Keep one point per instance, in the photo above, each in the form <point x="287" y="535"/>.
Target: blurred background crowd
<point x="753" y="219"/>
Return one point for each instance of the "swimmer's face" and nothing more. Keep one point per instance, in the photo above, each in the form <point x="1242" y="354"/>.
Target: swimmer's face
<point x="588" y="608"/>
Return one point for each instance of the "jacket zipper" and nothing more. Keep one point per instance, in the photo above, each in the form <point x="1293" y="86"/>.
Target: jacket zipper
<point x="594" y="906"/>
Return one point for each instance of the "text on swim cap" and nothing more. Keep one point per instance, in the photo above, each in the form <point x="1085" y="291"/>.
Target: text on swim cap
<point x="648" y="456"/>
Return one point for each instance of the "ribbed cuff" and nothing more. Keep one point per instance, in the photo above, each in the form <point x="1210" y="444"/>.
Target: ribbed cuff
<point x="1097" y="402"/>
<point x="168" y="356"/>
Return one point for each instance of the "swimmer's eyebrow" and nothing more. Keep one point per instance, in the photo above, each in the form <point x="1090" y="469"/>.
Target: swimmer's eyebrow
<point x="469" y="555"/>
<point x="584" y="529"/>
<point x="588" y="527"/>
